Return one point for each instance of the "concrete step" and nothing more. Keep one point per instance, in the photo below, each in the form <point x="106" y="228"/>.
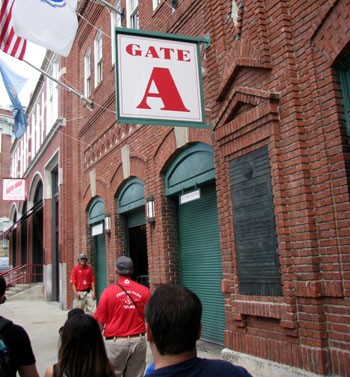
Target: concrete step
<point x="17" y="288"/>
<point x="25" y="292"/>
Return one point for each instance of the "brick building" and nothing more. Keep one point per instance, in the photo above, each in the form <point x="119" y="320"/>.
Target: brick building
<point x="6" y="138"/>
<point x="33" y="231"/>
<point x="266" y="242"/>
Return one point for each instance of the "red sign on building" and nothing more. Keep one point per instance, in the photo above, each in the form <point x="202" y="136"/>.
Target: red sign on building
<point x="14" y="189"/>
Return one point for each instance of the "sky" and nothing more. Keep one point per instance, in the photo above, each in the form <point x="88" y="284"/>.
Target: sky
<point x="34" y="54"/>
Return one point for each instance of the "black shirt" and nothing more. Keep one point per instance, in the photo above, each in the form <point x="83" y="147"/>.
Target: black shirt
<point x="197" y="367"/>
<point x="20" y="348"/>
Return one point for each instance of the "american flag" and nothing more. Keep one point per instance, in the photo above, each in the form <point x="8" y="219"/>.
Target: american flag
<point x="9" y="41"/>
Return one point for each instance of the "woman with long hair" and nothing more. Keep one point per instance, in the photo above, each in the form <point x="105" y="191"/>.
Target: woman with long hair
<point x="82" y="352"/>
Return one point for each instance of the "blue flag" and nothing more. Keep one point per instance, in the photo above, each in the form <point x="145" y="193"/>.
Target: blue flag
<point x="13" y="84"/>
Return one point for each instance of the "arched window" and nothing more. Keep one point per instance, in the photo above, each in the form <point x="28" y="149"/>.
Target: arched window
<point x="98" y="58"/>
<point x="87" y="73"/>
<point x="344" y="76"/>
<point x="134" y="19"/>
<point x="116" y="21"/>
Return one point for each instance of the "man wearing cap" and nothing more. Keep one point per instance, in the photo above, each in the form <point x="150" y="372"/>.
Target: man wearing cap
<point x="83" y="284"/>
<point x="120" y="313"/>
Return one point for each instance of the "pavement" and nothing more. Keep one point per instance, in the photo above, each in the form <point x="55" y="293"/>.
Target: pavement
<point x="42" y="321"/>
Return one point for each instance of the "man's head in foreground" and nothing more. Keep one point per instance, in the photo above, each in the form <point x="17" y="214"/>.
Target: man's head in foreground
<point x="173" y="316"/>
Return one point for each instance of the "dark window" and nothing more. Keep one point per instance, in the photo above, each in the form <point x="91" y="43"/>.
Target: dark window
<point x="254" y="225"/>
<point x="344" y="76"/>
<point x="343" y="71"/>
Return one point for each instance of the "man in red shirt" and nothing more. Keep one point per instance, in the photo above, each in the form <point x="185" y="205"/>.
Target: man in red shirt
<point x="120" y="313"/>
<point x="83" y="284"/>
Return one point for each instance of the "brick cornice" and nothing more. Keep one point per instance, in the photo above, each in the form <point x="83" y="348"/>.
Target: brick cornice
<point x="241" y="95"/>
<point x="242" y="54"/>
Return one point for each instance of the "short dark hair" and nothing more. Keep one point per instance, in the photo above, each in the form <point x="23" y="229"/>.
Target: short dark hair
<point x="173" y="314"/>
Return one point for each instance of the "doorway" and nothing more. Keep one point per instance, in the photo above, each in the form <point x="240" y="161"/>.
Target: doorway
<point x="200" y="260"/>
<point x="100" y="264"/>
<point x="137" y="242"/>
<point x="190" y="181"/>
<point x="131" y="205"/>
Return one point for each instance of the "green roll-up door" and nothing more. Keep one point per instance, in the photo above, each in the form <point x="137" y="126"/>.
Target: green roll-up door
<point x="344" y="76"/>
<point x="96" y="217"/>
<point x="200" y="260"/>
<point x="136" y="218"/>
<point x="100" y="264"/>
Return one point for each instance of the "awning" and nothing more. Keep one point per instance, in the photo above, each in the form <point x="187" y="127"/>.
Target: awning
<point x="36" y="207"/>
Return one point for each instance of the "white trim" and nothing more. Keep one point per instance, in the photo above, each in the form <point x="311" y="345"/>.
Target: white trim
<point x="98" y="54"/>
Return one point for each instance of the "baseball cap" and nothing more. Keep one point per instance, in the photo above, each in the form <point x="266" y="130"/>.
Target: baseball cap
<point x="82" y="256"/>
<point x="125" y="265"/>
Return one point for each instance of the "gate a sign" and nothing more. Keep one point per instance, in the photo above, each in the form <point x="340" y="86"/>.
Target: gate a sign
<point x="158" y="79"/>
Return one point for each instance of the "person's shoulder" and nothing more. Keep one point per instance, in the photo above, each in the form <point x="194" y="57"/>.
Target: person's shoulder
<point x="7" y="325"/>
<point x="201" y="367"/>
<point x="14" y="334"/>
<point x="141" y="288"/>
<point x="4" y="321"/>
<point x="136" y="284"/>
<point x="223" y="365"/>
<point x="14" y="329"/>
<point x="110" y="289"/>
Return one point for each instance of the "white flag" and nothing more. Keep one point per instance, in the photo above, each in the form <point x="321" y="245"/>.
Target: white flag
<point x="52" y="24"/>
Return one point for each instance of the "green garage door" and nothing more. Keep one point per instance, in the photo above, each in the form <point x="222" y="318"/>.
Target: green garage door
<point x="96" y="220"/>
<point x="100" y="264"/>
<point x="200" y="260"/>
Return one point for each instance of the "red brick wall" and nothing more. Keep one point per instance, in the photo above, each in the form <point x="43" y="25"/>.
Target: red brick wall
<point x="36" y="175"/>
<point x="268" y="81"/>
<point x="5" y="163"/>
<point x="309" y="180"/>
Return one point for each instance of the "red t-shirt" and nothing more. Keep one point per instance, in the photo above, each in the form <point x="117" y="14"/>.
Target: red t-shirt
<point x="117" y="311"/>
<point x="82" y="277"/>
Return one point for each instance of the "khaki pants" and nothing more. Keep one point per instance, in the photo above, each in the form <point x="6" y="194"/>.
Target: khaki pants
<point x="127" y="355"/>
<point x="85" y="302"/>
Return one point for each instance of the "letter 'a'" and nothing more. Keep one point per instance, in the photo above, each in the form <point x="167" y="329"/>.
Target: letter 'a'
<point x="167" y="91"/>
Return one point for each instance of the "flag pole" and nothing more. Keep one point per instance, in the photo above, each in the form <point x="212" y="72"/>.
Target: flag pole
<point x="111" y="7"/>
<point x="89" y="103"/>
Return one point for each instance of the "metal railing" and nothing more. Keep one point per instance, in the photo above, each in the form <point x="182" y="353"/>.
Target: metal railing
<point x="143" y="279"/>
<point x="24" y="274"/>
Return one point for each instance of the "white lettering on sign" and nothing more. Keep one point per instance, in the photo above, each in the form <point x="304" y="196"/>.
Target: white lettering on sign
<point x="96" y="230"/>
<point x="158" y="79"/>
<point x="190" y="196"/>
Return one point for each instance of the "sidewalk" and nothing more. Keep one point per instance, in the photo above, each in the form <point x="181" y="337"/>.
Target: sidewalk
<point x="42" y="321"/>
